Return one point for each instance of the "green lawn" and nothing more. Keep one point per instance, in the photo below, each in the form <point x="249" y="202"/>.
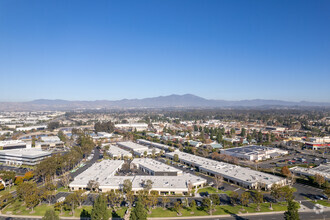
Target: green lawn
<point x="323" y="202"/>
<point x="62" y="189"/>
<point x="12" y="188"/>
<point x="212" y="190"/>
<point x="160" y="212"/>
<point x="19" y="209"/>
<point x="219" y="210"/>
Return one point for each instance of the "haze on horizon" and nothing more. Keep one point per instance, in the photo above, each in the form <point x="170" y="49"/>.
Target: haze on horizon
<point x="112" y="50"/>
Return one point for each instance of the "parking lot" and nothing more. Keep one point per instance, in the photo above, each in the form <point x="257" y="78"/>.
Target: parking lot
<point x="18" y="170"/>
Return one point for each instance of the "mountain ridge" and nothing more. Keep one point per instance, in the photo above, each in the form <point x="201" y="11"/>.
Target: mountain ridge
<point x="170" y="101"/>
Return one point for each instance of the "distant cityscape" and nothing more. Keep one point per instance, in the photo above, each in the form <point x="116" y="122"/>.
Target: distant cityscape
<point x="200" y="155"/>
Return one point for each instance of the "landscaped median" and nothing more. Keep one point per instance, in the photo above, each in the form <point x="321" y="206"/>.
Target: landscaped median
<point x="212" y="190"/>
<point x="17" y="208"/>
<point x="218" y="210"/>
<point x="322" y="202"/>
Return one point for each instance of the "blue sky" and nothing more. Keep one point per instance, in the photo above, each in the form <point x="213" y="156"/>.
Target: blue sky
<point x="232" y="50"/>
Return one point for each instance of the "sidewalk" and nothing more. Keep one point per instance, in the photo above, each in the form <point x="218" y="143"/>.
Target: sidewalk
<point x="226" y="216"/>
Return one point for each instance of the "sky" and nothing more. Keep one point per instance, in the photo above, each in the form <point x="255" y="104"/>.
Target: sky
<point x="231" y="50"/>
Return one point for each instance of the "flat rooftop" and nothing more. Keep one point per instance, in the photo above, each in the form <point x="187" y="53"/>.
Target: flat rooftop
<point x="132" y="145"/>
<point x="25" y="152"/>
<point x="158" y="145"/>
<point x="50" y="139"/>
<point x="155" y="165"/>
<point x="99" y="172"/>
<point x="227" y="170"/>
<point x="11" y="142"/>
<point x="116" y="151"/>
<point x="104" y="173"/>
<point x="323" y="170"/>
<point x="253" y="149"/>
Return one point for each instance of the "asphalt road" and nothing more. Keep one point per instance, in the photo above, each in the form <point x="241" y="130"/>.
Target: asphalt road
<point x="303" y="216"/>
<point x="88" y="164"/>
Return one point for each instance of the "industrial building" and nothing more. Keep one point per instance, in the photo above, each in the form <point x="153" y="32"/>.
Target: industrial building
<point x="104" y="173"/>
<point x="316" y="145"/>
<point x="37" y="127"/>
<point x="13" y="144"/>
<point x="138" y="149"/>
<point x="323" y="170"/>
<point x="5" y="132"/>
<point x="49" y="142"/>
<point x="118" y="153"/>
<point x="155" y="168"/>
<point x="132" y="127"/>
<point x="25" y="156"/>
<point x="253" y="152"/>
<point x="153" y="144"/>
<point x="241" y="176"/>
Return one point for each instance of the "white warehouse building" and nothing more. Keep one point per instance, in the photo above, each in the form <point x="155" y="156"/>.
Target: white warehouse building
<point x="104" y="173"/>
<point x="241" y="176"/>
<point x="254" y="152"/>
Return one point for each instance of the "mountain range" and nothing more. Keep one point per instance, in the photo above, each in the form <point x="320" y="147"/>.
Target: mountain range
<point x="171" y="101"/>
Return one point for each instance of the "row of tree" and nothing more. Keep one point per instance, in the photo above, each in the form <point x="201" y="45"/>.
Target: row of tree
<point x="58" y="164"/>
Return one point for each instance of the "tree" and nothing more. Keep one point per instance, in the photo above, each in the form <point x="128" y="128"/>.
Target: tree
<point x="165" y="200"/>
<point x="50" y="215"/>
<point x="81" y="196"/>
<point x="32" y="198"/>
<point x="234" y="198"/>
<point x="319" y="179"/>
<point x="193" y="204"/>
<point x="61" y="136"/>
<point x="28" y="175"/>
<point x="143" y="197"/>
<point x="127" y="186"/>
<point x="258" y="198"/>
<point x="153" y="198"/>
<point x="153" y="153"/>
<point x="245" y="198"/>
<point x="176" y="158"/>
<point x="53" y="125"/>
<point x="147" y="185"/>
<point x="218" y="180"/>
<point x="19" y="180"/>
<point x="139" y="212"/>
<point x="130" y="197"/>
<point x="207" y="205"/>
<point x="93" y="185"/>
<point x="177" y="207"/>
<point x="275" y="191"/>
<point x="327" y="193"/>
<point x="292" y="213"/>
<point x="104" y="127"/>
<point x="100" y="211"/>
<point x="215" y="199"/>
<point x="111" y="198"/>
<point x="287" y="192"/>
<point x="5" y="199"/>
<point x="49" y="195"/>
<point x="71" y="202"/>
<point x="28" y="192"/>
<point x="65" y="180"/>
<point x="285" y="171"/>
<point x="243" y="132"/>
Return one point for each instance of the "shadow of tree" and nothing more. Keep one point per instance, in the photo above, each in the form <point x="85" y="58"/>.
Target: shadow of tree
<point x="85" y="214"/>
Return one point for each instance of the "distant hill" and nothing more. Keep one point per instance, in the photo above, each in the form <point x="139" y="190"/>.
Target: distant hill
<point x="171" y="101"/>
